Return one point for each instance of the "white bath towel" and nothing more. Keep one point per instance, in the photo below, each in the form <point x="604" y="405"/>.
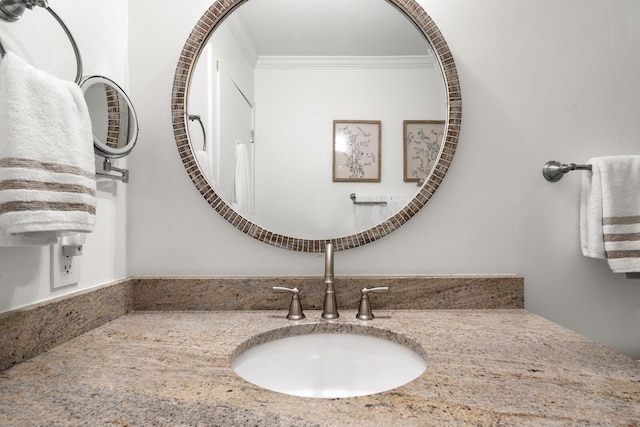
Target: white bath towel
<point x="243" y="188"/>
<point x="395" y="202"/>
<point x="369" y="210"/>
<point x="47" y="169"/>
<point x="610" y="212"/>
<point x="205" y="164"/>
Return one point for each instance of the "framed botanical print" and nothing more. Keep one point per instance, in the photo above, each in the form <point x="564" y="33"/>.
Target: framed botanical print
<point x="422" y="141"/>
<point x="356" y="150"/>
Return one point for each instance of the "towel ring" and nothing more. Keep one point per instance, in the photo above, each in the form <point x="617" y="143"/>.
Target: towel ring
<point x="197" y="117"/>
<point x="12" y="10"/>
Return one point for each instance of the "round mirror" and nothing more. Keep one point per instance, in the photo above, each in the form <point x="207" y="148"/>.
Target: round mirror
<point x="316" y="124"/>
<point x="113" y="118"/>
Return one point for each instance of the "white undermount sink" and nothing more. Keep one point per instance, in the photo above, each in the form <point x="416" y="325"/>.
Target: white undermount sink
<point x="329" y="365"/>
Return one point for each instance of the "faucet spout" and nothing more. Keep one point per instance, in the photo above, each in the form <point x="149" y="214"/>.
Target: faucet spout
<point x="328" y="263"/>
<point x="330" y="308"/>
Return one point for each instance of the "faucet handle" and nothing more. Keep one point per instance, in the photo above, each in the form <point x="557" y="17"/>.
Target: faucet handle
<point x="295" y="308"/>
<point x="364" y="311"/>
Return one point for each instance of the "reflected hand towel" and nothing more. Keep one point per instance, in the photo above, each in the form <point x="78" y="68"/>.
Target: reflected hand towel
<point x="243" y="191"/>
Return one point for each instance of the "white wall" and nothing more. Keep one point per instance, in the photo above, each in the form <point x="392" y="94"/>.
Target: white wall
<point x="540" y="80"/>
<point x="295" y="109"/>
<point x="37" y="38"/>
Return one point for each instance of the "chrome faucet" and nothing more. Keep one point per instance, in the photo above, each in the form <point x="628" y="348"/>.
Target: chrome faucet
<point x="330" y="309"/>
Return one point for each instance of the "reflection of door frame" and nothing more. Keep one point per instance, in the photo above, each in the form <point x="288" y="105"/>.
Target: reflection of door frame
<point x="252" y="151"/>
<point x="250" y="146"/>
<point x="218" y="134"/>
<point x="225" y="87"/>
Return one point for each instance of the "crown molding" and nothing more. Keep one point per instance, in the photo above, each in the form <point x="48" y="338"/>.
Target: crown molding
<point x="379" y="62"/>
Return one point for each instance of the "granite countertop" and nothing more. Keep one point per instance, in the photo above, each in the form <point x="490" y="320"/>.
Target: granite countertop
<point x="486" y="367"/>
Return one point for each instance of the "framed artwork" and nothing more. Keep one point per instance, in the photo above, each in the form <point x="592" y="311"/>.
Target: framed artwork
<point x="422" y="141"/>
<point x="356" y="150"/>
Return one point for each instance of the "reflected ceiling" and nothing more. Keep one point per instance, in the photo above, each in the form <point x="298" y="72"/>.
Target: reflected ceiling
<point x="299" y="28"/>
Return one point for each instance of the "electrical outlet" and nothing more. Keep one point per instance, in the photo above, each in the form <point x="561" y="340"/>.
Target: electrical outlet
<point x="65" y="270"/>
<point x="66" y="264"/>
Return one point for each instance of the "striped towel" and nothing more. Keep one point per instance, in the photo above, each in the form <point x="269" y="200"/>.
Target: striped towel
<point x="610" y="212"/>
<point x="47" y="164"/>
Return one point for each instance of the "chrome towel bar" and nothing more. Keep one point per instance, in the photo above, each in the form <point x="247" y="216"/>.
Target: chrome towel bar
<point x="352" y="196"/>
<point x="553" y="171"/>
<point x="12" y="10"/>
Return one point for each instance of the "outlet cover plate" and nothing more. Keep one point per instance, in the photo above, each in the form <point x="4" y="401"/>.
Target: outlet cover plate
<point x="59" y="277"/>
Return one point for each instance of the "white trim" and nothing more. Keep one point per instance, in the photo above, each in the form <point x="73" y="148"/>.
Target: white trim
<point x="405" y="62"/>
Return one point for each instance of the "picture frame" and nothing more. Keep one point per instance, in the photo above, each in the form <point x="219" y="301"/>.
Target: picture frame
<point x="422" y="140"/>
<point x="356" y="150"/>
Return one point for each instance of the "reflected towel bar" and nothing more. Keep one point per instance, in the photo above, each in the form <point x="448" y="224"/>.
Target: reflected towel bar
<point x="553" y="171"/>
<point x="12" y="10"/>
<point x="352" y="196"/>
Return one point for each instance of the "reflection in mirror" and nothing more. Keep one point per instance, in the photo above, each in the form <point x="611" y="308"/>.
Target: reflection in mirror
<point x="113" y="118"/>
<point x="356" y="60"/>
<point x="268" y="92"/>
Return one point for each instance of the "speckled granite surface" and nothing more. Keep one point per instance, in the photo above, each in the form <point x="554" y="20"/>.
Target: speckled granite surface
<point x="254" y="293"/>
<point x="27" y="332"/>
<point x="486" y="367"/>
<point x="30" y="331"/>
